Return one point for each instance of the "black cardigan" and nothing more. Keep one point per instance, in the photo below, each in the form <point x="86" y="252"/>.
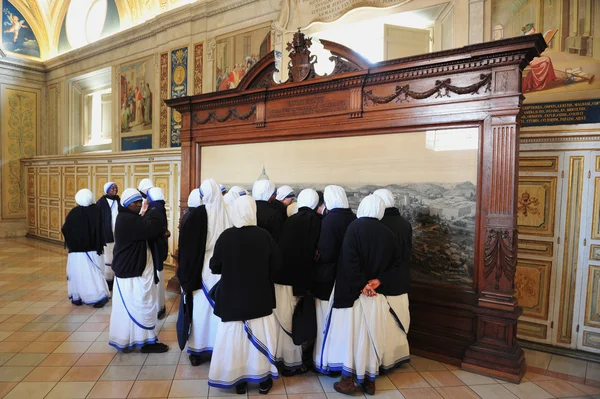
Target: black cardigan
<point x="132" y="231"/>
<point x="246" y="258"/>
<point x="333" y="230"/>
<point x="269" y="218"/>
<point x="369" y="251"/>
<point x="83" y="230"/>
<point x="102" y="203"/>
<point x="298" y="245"/>
<point x="192" y="248"/>
<point x="403" y="232"/>
<point x="159" y="247"/>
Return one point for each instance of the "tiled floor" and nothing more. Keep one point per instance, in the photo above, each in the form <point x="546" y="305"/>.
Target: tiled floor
<point x="52" y="349"/>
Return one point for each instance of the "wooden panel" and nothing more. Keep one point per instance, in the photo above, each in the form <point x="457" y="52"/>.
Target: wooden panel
<point x="536" y="205"/>
<point x="594" y="252"/>
<point x="163" y="183"/>
<point x="31" y="215"/>
<point x="83" y="170"/>
<point x="596" y="217"/>
<point x="117" y="169"/>
<point x="100" y="180"/>
<point x="571" y="249"/>
<point x="43" y="185"/>
<point x="533" y="330"/>
<point x="591" y="339"/>
<point x="592" y="302"/>
<point x="157" y="168"/>
<point x="532" y="287"/>
<point x="54" y="185"/>
<point x="598" y="164"/>
<point x="536" y="247"/>
<point x="31" y="182"/>
<point x="55" y="223"/>
<point x="101" y="169"/>
<point x="141" y="169"/>
<point x="82" y="182"/>
<point x="44" y="215"/>
<point x="538" y="164"/>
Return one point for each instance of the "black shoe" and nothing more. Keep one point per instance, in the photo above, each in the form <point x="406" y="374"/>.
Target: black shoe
<point x="265" y="386"/>
<point x="162" y="313"/>
<point x="77" y="302"/>
<point x="155" y="348"/>
<point x="196" y="360"/>
<point x="240" y="388"/>
<point x="291" y="373"/>
<point x="101" y="304"/>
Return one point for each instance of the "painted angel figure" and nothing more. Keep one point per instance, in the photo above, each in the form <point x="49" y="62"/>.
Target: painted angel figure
<point x="16" y="25"/>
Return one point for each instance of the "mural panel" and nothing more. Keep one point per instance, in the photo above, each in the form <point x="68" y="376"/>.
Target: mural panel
<point x="17" y="35"/>
<point x="198" y="56"/>
<point x="179" y="88"/>
<point x="433" y="176"/>
<point x="536" y="205"/>
<point x="236" y="54"/>
<point x="19" y="140"/>
<point x="136" y="92"/>
<point x="164" y="93"/>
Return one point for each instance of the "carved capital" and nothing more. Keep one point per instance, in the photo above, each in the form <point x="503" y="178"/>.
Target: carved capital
<point x="500" y="257"/>
<point x="210" y="50"/>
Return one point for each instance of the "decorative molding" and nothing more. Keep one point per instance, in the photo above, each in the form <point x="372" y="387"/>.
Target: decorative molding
<point x="564" y="139"/>
<point x="164" y="93"/>
<point x="442" y="88"/>
<point x="232" y="112"/>
<point x="210" y="52"/>
<point x="502" y="201"/>
<point x="342" y="65"/>
<point x="500" y="255"/>
<point x="198" y="65"/>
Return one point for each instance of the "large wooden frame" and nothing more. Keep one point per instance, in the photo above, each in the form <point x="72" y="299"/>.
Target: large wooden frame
<point x="478" y="85"/>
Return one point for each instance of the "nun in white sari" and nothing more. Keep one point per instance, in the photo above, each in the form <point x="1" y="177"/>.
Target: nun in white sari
<point x="204" y="322"/>
<point x="83" y="232"/>
<point x="368" y="324"/>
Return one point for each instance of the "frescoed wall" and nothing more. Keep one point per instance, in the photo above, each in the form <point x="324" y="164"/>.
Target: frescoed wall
<point x="17" y="35"/>
<point x="179" y="88"/>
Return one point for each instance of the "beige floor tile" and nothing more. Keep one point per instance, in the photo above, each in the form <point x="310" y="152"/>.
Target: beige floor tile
<point x="157" y="373"/>
<point x="185" y="372"/>
<point x="37" y="327"/>
<point x="537" y="377"/>
<point x="103" y="337"/>
<point x="409" y="380"/>
<point x="420" y="393"/>
<point x="566" y="365"/>
<point x="10" y="327"/>
<point x="528" y="390"/>
<point x="30" y="390"/>
<point x="84" y="374"/>
<point x="53" y="336"/>
<point x="4" y="334"/>
<point x="60" y="359"/>
<point x="111" y="389"/>
<point x="92" y="327"/>
<point x="23" y="336"/>
<point x="586" y="388"/>
<point x="158" y="359"/>
<point x="5" y="357"/>
<point x="94" y="359"/>
<point x="120" y="373"/>
<point x="327" y="383"/>
<point x="41" y="347"/>
<point x="559" y="388"/>
<point x="473" y="379"/>
<point x="73" y="347"/>
<point x="14" y="374"/>
<point x="395" y="394"/>
<point x="307" y="396"/>
<point x="65" y="327"/>
<point x="101" y="347"/>
<point x="12" y="347"/>
<point x="422" y="364"/>
<point x="296" y="385"/>
<point x="74" y="318"/>
<point x="70" y="390"/>
<point x="593" y="371"/>
<point x="189" y="388"/>
<point x="26" y="359"/>
<point x="83" y="337"/>
<point x="129" y="359"/>
<point x="155" y="389"/>
<point x="441" y="379"/>
<point x="48" y="318"/>
<point x="492" y="391"/>
<point x="462" y="392"/>
<point x="336" y="395"/>
<point x="43" y="374"/>
<point x="5" y="387"/>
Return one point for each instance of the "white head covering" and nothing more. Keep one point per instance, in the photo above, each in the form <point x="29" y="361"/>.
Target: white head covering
<point x="263" y="190"/>
<point x="292" y="209"/>
<point x="244" y="212"/>
<point x="222" y="187"/>
<point x="335" y="197"/>
<point x="308" y="197"/>
<point x="130" y="195"/>
<point x="284" y="192"/>
<point x="84" y="197"/>
<point x="387" y="197"/>
<point x="156" y="194"/>
<point x="108" y="185"/>
<point x="145" y="185"/>
<point x="372" y="206"/>
<point x="194" y="200"/>
<point x="218" y="220"/>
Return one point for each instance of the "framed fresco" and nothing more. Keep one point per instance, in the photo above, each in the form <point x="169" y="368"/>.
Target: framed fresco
<point x="17" y="34"/>
<point x="235" y="54"/>
<point x="136" y="92"/>
<point x="432" y="174"/>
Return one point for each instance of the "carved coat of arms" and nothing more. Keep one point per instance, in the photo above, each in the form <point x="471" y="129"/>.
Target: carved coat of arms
<point x="301" y="65"/>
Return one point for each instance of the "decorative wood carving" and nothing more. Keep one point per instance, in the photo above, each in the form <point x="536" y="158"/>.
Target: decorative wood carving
<point x="442" y="88"/>
<point x="472" y="326"/>
<point x="500" y="255"/>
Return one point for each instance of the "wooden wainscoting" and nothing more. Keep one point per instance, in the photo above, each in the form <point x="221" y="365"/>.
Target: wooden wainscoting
<point x="52" y="182"/>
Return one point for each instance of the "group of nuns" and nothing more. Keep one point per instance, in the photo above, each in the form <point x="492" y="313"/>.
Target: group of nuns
<point x="119" y="244"/>
<point x="246" y="261"/>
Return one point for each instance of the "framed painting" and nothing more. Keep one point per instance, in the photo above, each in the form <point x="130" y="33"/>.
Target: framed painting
<point x="235" y="54"/>
<point x="136" y="91"/>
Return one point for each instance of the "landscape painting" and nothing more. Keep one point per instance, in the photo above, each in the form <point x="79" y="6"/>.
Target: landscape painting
<point x="17" y="35"/>
<point x="433" y="176"/>
<point x="236" y="54"/>
<point x="136" y="96"/>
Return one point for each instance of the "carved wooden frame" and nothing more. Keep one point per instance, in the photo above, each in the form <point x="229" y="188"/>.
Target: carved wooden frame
<point x="478" y="85"/>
